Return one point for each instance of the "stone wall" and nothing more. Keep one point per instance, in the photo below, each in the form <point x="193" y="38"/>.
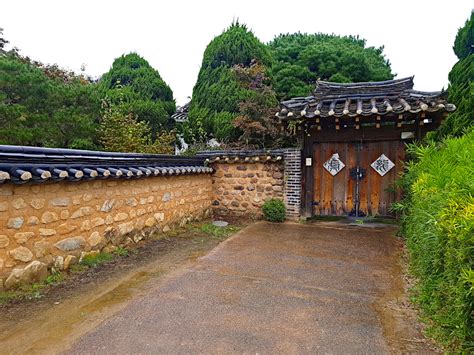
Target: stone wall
<point x="240" y="189"/>
<point x="45" y="226"/>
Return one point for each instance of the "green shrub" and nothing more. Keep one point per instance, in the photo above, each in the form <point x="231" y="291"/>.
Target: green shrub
<point x="274" y="210"/>
<point x="438" y="223"/>
<point x="121" y="132"/>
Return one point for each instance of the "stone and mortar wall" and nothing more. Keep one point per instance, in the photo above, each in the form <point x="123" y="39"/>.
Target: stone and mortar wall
<point x="240" y="189"/>
<point x="45" y="226"/>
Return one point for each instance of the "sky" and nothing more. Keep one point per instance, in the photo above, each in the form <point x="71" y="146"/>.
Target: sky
<point x="172" y="35"/>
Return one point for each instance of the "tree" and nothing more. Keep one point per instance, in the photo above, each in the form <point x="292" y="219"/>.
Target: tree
<point x="464" y="42"/>
<point x="256" y="118"/>
<point x="3" y="42"/>
<point x="123" y="132"/>
<point x="45" y="110"/>
<point x="301" y="59"/>
<point x="217" y="93"/>
<point x="142" y="91"/>
<point x="461" y="87"/>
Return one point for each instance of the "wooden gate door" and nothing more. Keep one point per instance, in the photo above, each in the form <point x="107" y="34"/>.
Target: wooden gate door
<point x="336" y="194"/>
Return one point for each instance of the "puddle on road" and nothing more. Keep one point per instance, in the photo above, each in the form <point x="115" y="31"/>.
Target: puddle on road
<point x="55" y="327"/>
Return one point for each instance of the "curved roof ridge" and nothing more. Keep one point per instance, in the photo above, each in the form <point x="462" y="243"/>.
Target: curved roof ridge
<point x="406" y="79"/>
<point x="364" y="99"/>
<point x="392" y="87"/>
<point x="22" y="164"/>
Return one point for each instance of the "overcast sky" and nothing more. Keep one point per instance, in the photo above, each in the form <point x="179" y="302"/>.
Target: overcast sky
<point x="418" y="35"/>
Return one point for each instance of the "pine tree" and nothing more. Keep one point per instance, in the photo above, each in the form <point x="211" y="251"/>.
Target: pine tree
<point x="218" y="93"/>
<point x="43" y="105"/>
<point x="461" y="86"/>
<point x="301" y="59"/>
<point x="142" y="91"/>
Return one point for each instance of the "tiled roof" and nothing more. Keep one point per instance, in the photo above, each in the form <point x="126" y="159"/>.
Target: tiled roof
<point x="34" y="164"/>
<point x="181" y="114"/>
<point x="364" y="99"/>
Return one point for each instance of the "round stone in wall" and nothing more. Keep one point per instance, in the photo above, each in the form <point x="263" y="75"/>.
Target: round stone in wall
<point x="220" y="223"/>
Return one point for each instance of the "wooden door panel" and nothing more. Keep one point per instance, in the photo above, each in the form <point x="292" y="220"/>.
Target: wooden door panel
<point x="351" y="162"/>
<point x="364" y="187"/>
<point x="375" y="179"/>
<point x="339" y="181"/>
<point x="385" y="181"/>
<point x="317" y="180"/>
<point x="336" y="194"/>
<point x="326" y="185"/>
<point x="330" y="191"/>
<point x="387" y="193"/>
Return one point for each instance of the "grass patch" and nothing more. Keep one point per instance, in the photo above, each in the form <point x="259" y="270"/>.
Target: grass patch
<point x="54" y="278"/>
<point x="216" y="232"/>
<point x="121" y="251"/>
<point x="36" y="290"/>
<point x="78" y="268"/>
<point x="32" y="291"/>
<point x="375" y="220"/>
<point x="9" y="296"/>
<point x="381" y="220"/>
<point x="93" y="260"/>
<point x="326" y="218"/>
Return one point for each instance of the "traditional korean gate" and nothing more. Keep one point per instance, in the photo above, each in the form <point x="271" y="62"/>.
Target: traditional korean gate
<point x="338" y="194"/>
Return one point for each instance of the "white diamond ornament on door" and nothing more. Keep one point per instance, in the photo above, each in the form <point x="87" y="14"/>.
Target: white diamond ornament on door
<point x="334" y="164"/>
<point x="382" y="165"/>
